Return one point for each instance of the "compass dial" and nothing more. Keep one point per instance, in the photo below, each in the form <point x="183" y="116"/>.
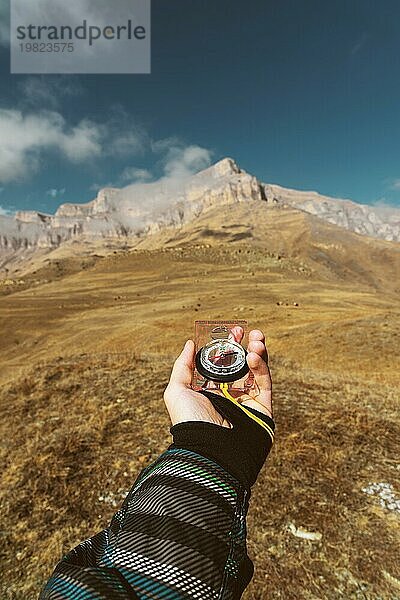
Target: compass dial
<point x="222" y="360"/>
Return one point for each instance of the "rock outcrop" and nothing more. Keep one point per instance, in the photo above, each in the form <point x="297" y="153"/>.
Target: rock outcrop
<point x="146" y="208"/>
<point x="375" y="221"/>
<point x="132" y="211"/>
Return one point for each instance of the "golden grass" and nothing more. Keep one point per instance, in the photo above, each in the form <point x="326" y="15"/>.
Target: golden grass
<point x="82" y="429"/>
<point x="85" y="359"/>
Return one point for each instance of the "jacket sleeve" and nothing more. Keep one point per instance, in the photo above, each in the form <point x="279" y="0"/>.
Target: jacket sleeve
<point x="180" y="533"/>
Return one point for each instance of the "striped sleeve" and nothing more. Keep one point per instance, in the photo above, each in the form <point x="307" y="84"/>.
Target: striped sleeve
<point x="180" y="534"/>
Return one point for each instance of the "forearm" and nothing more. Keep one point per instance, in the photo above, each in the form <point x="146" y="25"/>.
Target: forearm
<point x="181" y="531"/>
<point x="181" y="528"/>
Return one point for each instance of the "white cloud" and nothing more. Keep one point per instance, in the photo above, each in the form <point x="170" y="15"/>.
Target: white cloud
<point x="133" y="174"/>
<point x="184" y="161"/>
<point x="55" y="193"/>
<point x="177" y="161"/>
<point x="391" y="184"/>
<point x="162" y="146"/>
<point x="127" y="143"/>
<point x="47" y="91"/>
<point x="386" y="210"/>
<point x="27" y="137"/>
<point x="395" y="184"/>
<point x="24" y="137"/>
<point x="5" y="212"/>
<point x="95" y="187"/>
<point x="82" y="141"/>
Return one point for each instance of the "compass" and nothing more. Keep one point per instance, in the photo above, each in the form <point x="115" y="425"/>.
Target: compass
<point x="222" y="360"/>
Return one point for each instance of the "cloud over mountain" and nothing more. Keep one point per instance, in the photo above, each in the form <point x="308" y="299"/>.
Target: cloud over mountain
<point x="27" y="136"/>
<point x="178" y="198"/>
<point x="181" y="162"/>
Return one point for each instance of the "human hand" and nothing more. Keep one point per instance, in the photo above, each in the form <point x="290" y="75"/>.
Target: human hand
<point x="185" y="404"/>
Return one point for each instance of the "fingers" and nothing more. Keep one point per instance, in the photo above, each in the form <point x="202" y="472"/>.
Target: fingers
<point x="257" y="344"/>
<point x="182" y="370"/>
<point x="259" y="348"/>
<point x="257" y="359"/>
<point x="260" y="370"/>
<point x="256" y="335"/>
<point x="262" y="379"/>
<point x="236" y="334"/>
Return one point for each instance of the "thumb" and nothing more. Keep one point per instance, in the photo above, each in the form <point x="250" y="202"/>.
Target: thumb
<point x="183" y="366"/>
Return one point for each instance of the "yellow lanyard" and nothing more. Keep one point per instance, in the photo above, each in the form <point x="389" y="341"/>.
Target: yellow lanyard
<point x="224" y="389"/>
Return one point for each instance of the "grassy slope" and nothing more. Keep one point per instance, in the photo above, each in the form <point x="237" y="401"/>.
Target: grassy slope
<point x="86" y="355"/>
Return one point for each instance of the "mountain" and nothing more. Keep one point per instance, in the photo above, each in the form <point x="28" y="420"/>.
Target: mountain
<point x="380" y="222"/>
<point x="90" y="326"/>
<point x="132" y="211"/>
<point x="130" y="214"/>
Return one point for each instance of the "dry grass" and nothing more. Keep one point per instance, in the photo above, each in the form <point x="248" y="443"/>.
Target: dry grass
<point x="79" y="432"/>
<point x="83" y="428"/>
<point x="335" y="437"/>
<point x="82" y="412"/>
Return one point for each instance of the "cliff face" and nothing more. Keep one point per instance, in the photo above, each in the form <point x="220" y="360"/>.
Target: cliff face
<point x="366" y="220"/>
<point x="143" y="209"/>
<point x="131" y="211"/>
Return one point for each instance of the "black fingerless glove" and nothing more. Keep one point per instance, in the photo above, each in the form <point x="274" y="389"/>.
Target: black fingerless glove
<point x="241" y="450"/>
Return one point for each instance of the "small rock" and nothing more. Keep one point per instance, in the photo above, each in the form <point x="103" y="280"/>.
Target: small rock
<point x="299" y="532"/>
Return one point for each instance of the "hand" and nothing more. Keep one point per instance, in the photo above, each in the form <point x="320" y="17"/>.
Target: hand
<point x="184" y="404"/>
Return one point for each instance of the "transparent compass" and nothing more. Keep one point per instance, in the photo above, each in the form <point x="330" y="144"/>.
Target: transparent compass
<point x="223" y="358"/>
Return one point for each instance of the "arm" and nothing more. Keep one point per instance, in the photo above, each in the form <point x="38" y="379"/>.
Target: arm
<point x="181" y="532"/>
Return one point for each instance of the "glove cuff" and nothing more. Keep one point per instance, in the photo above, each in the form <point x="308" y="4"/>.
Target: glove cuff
<point x="241" y="450"/>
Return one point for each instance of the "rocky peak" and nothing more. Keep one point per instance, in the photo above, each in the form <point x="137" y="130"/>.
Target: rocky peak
<point x="360" y="218"/>
<point x="227" y="166"/>
<point x="134" y="210"/>
<point x="103" y="203"/>
<point x="223" y="168"/>
<point x="141" y="209"/>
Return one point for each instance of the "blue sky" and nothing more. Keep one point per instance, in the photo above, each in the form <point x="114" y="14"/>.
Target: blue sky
<point x="302" y="93"/>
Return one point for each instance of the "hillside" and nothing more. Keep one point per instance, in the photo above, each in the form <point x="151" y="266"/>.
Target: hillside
<point x="88" y="337"/>
<point x="376" y="221"/>
<point x="123" y="217"/>
<point x="277" y="256"/>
